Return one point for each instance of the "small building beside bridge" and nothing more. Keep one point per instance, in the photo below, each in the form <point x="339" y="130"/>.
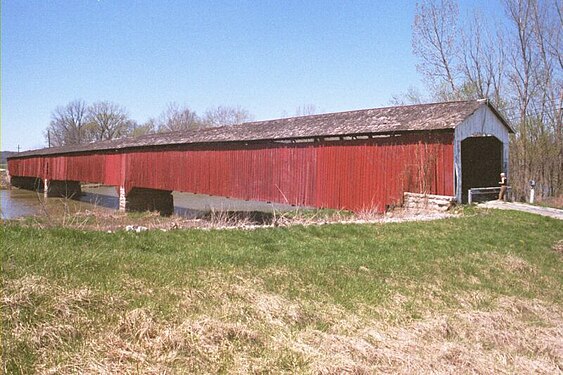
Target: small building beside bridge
<point x="356" y="160"/>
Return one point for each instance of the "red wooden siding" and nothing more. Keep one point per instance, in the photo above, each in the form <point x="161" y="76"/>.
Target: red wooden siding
<point x="356" y="175"/>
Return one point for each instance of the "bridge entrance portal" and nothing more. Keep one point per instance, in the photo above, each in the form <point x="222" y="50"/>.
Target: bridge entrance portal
<point x="481" y="163"/>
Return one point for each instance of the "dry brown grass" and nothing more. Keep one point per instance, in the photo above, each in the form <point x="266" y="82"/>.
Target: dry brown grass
<point x="508" y="262"/>
<point x="234" y="325"/>
<point x="69" y="215"/>
<point x="555" y="202"/>
<point x="106" y="220"/>
<point x="502" y="340"/>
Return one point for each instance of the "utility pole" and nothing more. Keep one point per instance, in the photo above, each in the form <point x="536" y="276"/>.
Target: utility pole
<point x="49" y="138"/>
<point x="18" y="148"/>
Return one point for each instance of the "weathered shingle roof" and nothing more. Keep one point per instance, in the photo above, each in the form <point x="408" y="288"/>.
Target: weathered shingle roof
<point x="420" y="117"/>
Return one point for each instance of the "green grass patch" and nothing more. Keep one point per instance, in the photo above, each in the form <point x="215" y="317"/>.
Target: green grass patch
<point x="343" y="263"/>
<point x="395" y="272"/>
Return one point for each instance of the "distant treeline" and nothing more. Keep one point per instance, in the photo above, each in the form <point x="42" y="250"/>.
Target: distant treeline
<point x="515" y="59"/>
<point x="4" y="155"/>
<point x="78" y="122"/>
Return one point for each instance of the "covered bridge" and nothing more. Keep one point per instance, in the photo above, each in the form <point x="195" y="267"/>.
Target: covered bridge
<point x="356" y="160"/>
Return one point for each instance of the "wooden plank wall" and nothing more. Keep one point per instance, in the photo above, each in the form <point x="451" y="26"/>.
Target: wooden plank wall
<point x="354" y="174"/>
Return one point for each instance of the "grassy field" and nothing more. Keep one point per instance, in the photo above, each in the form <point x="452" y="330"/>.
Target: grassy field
<point x="480" y="293"/>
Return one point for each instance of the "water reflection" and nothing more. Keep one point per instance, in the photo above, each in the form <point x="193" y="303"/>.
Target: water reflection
<point x="17" y="203"/>
<point x="103" y="196"/>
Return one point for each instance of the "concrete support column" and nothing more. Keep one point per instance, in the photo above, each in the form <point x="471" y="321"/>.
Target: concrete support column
<point x="141" y="199"/>
<point x="66" y="189"/>
<point x="45" y="188"/>
<point x="122" y="199"/>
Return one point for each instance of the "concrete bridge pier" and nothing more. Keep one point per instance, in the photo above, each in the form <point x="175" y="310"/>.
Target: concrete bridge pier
<point x="65" y="189"/>
<point x="142" y="199"/>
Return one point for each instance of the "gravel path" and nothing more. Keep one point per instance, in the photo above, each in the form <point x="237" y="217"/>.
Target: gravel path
<point x="544" y="211"/>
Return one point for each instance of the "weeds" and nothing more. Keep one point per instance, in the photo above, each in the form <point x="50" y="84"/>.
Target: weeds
<point x="69" y="215"/>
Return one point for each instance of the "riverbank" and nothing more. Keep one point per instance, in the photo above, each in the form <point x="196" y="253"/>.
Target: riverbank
<point x="107" y="220"/>
<point x="96" y="209"/>
<point x="17" y="203"/>
<point x="478" y="293"/>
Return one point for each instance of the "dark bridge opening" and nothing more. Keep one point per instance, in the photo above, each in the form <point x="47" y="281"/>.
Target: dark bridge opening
<point x="142" y="199"/>
<point x="481" y="164"/>
<point x="27" y="183"/>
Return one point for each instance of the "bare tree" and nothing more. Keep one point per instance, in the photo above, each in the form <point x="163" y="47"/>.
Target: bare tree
<point x="482" y="61"/>
<point x="108" y="120"/>
<point x="518" y="65"/>
<point x="521" y="76"/>
<point x="224" y="115"/>
<point x="176" y="118"/>
<point x="306" y="110"/>
<point x="412" y="96"/>
<point x="535" y="86"/>
<point x="458" y="60"/>
<point x="68" y="124"/>
<point x="434" y="43"/>
<point x="149" y="127"/>
<point x="548" y="33"/>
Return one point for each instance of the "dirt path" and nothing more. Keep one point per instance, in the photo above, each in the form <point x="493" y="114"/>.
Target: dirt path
<point x="544" y="211"/>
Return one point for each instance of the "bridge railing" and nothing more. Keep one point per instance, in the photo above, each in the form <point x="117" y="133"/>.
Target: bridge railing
<point x="473" y="192"/>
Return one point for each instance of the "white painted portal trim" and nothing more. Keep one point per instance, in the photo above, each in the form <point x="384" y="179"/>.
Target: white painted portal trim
<point x="482" y="123"/>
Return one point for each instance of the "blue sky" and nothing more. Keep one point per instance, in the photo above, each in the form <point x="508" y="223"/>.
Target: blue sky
<point x="269" y="57"/>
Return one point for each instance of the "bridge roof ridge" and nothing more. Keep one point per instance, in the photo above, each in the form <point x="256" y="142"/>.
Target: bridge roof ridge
<point x="417" y="117"/>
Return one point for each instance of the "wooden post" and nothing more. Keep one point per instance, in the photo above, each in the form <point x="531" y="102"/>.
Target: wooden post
<point x="122" y="199"/>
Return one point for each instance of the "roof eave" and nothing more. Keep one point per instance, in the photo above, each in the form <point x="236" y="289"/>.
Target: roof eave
<point x="32" y="153"/>
<point x="500" y="116"/>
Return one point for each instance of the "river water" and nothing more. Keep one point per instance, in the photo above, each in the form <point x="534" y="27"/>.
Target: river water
<point x="17" y="203"/>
